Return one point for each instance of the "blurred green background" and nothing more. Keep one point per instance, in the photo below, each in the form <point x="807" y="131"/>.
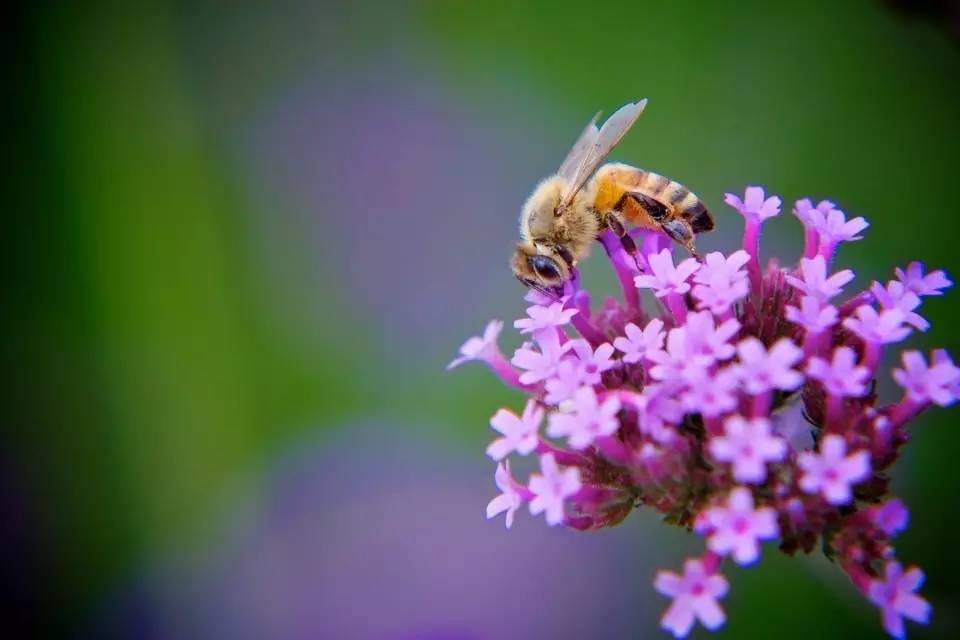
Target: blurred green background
<point x="241" y="230"/>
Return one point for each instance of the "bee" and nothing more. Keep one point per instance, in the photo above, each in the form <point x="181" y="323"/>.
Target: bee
<point x="567" y="211"/>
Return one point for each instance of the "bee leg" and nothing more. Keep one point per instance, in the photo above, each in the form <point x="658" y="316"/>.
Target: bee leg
<point x="613" y="224"/>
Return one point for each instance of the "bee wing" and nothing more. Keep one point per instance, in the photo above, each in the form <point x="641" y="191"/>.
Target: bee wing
<point x="604" y="141"/>
<point x="581" y="148"/>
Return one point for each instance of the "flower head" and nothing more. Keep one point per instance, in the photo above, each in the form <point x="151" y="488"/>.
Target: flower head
<point x="666" y="278"/>
<point x="925" y="384"/>
<point x="748" y="445"/>
<point x="815" y="282"/>
<point x="737" y="528"/>
<point x="802" y="209"/>
<point x="841" y="377"/>
<point x="479" y="347"/>
<point x="832" y="472"/>
<point x="813" y="315"/>
<point x="754" y="204"/>
<point x="540" y="318"/>
<point x="891" y="517"/>
<point x="587" y="419"/>
<point x="896" y="597"/>
<point x="538" y="364"/>
<point x="721" y="281"/>
<point x="923" y="285"/>
<point x="761" y="370"/>
<point x="551" y="488"/>
<point x="897" y="296"/>
<point x="637" y="343"/>
<point x="834" y="227"/>
<point x="885" y="327"/>
<point x="510" y="498"/>
<point x="695" y="595"/>
<point x="519" y="432"/>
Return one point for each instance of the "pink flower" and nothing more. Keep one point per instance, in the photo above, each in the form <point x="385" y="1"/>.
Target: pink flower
<point x="586" y="420"/>
<point x="710" y="395"/>
<point x="658" y="410"/>
<point x="667" y="279"/>
<point x="564" y="383"/>
<point x="551" y="488"/>
<point x="802" y="209"/>
<point x="831" y="472"/>
<point x="891" y="517"/>
<point x="754" y="204"/>
<point x="695" y="596"/>
<point x="479" y="348"/>
<point x="813" y="315"/>
<point x="897" y="296"/>
<point x="538" y="364"/>
<point x="672" y="363"/>
<point x="545" y="317"/>
<point x="924" y="384"/>
<point x="709" y="341"/>
<point x="510" y="498"/>
<point x="721" y="281"/>
<point x="923" y="285"/>
<point x="815" y="282"/>
<point x="896" y="597"/>
<point x="841" y="377"/>
<point x="637" y="343"/>
<point x="592" y="362"/>
<point x="881" y="328"/>
<point x="748" y="446"/>
<point x="761" y="371"/>
<point x="834" y="227"/>
<point x="737" y="527"/>
<point x="519" y="432"/>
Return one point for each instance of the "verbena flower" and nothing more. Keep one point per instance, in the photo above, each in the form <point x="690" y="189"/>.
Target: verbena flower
<point x="680" y="402"/>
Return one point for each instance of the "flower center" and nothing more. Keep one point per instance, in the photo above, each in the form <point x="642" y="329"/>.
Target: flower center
<point x="741" y="525"/>
<point x="697" y="589"/>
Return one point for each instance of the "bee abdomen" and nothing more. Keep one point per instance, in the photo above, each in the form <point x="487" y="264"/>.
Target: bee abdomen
<point x="672" y="193"/>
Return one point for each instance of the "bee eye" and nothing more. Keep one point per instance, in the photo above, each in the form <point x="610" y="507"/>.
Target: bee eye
<point x="544" y="267"/>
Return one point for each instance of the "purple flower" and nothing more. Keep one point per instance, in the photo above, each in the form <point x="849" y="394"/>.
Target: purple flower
<point x="658" y="410"/>
<point x="545" y="317"/>
<point x="711" y="394"/>
<point x="748" y="446"/>
<point x="511" y="497"/>
<point x="834" y="227"/>
<point x="520" y="433"/>
<point x="737" y="528"/>
<point x="925" y="384"/>
<point x="637" y="344"/>
<point x="841" y="377"/>
<point x="538" y="364"/>
<point x="667" y="279"/>
<point x="754" y="204"/>
<point x="709" y="341"/>
<point x="923" y="285"/>
<point x="832" y="472"/>
<point x="695" y="595"/>
<point x="896" y="597"/>
<point x="897" y="296"/>
<point x="721" y="281"/>
<point x="564" y="383"/>
<point x="815" y="282"/>
<point x="551" y="487"/>
<point x="761" y="370"/>
<point x="802" y="209"/>
<point x="586" y="420"/>
<point x="813" y="315"/>
<point x="891" y="517"/>
<point x="479" y="347"/>
<point x="885" y="327"/>
<point x="592" y="362"/>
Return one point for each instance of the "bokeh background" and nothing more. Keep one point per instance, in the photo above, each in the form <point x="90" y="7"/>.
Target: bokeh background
<point x="247" y="237"/>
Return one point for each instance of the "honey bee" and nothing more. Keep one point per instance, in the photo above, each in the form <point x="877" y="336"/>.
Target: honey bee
<point x="567" y="211"/>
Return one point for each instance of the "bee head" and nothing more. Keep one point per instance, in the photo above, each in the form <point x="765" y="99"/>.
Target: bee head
<point x="541" y="267"/>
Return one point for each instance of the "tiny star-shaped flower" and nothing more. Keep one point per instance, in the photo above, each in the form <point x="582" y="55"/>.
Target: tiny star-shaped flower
<point x="695" y="595"/>
<point x="897" y="296"/>
<point x="520" y="433"/>
<point x="891" y="517"/>
<point x="748" y="445"/>
<point x="885" y="327"/>
<point x="479" y="347"/>
<point x="813" y="315"/>
<point x="841" y="377"/>
<point x="832" y="472"/>
<point x="586" y="420"/>
<point x="754" y="204"/>
<point x="510" y="498"/>
<point x="540" y="317"/>
<point x="923" y="383"/>
<point x="896" y="597"/>
<point x="834" y="227"/>
<point x="815" y="282"/>
<point x="737" y="528"/>
<point x="923" y="285"/>
<point x="637" y="342"/>
<point x="551" y="487"/>
<point x="761" y="370"/>
<point x="666" y="278"/>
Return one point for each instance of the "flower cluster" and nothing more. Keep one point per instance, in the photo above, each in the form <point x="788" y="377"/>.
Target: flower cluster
<point x="692" y="406"/>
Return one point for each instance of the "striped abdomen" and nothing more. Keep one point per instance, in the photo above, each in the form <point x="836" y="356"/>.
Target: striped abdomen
<point x="615" y="180"/>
